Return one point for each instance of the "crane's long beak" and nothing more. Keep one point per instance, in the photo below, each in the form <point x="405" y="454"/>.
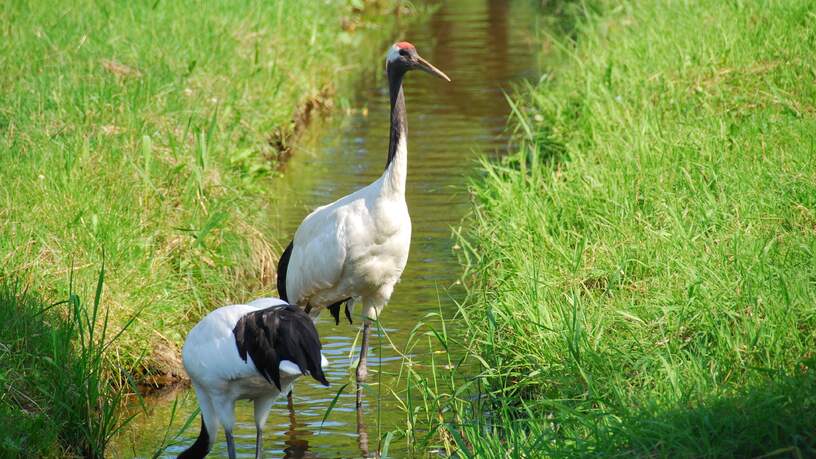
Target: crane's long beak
<point x="426" y="66"/>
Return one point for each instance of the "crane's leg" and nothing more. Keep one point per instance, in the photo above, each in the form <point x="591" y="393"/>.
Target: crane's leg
<point x="362" y="366"/>
<point x="259" y="444"/>
<point x="262" y="407"/>
<point x="230" y="445"/>
<point x="290" y="402"/>
<point x="225" y="409"/>
<point x="362" y="434"/>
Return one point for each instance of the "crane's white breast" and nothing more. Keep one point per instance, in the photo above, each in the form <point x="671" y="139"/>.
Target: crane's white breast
<point x="350" y="248"/>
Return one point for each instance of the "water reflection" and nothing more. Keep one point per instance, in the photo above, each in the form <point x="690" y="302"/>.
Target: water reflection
<point x="483" y="46"/>
<point x="296" y="443"/>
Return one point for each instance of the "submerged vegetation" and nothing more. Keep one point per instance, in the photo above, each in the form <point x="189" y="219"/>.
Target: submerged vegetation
<point x="642" y="273"/>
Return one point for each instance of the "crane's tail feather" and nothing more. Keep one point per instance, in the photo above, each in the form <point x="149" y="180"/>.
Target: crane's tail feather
<point x="349" y="302"/>
<point x="335" y="310"/>
<point x="283" y="268"/>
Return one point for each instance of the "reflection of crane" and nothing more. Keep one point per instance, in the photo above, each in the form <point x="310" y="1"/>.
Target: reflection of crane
<point x="247" y="351"/>
<point x="357" y="246"/>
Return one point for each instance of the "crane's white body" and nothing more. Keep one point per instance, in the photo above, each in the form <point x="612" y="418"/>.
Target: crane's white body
<point x="355" y="247"/>
<point x="220" y="376"/>
<point x="212" y="361"/>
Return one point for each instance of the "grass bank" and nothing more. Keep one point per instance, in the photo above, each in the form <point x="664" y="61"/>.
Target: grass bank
<point x="60" y="397"/>
<point x="642" y="273"/>
<point x="151" y="131"/>
<point x="148" y="132"/>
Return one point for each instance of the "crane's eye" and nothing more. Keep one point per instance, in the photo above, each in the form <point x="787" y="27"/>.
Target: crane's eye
<point x="403" y="52"/>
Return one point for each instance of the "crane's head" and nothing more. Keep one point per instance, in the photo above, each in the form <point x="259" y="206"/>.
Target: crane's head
<point x="403" y="57"/>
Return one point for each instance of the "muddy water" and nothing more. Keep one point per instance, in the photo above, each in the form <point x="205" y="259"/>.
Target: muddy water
<point x="484" y="46"/>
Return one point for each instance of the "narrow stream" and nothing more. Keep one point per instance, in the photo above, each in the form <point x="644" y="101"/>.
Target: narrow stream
<point x="484" y="46"/>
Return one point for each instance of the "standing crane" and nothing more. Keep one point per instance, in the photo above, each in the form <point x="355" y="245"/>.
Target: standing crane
<point x="355" y="248"/>
<point x="249" y="351"/>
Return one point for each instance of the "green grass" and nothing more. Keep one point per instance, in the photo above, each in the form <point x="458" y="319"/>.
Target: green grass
<point x="151" y="131"/>
<point x="642" y="273"/>
<point x="60" y="397"/>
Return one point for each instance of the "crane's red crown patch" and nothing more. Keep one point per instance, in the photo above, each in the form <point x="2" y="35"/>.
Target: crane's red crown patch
<point x="404" y="45"/>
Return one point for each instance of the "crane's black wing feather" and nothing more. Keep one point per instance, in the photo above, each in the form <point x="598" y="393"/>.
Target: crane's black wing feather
<point x="280" y="333"/>
<point x="283" y="268"/>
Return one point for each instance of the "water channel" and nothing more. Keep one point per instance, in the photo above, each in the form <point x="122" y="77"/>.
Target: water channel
<point x="485" y="46"/>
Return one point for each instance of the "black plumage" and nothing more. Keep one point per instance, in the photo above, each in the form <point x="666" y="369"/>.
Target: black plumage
<point x="201" y="447"/>
<point x="335" y="310"/>
<point x="280" y="333"/>
<point x="399" y="119"/>
<point x="283" y="267"/>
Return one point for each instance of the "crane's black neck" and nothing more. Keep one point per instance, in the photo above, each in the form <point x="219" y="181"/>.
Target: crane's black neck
<point x="399" y="119"/>
<point x="201" y="447"/>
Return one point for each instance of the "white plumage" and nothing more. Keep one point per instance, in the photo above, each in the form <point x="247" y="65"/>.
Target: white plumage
<point x="354" y="247"/>
<point x="221" y="376"/>
<point x="357" y="247"/>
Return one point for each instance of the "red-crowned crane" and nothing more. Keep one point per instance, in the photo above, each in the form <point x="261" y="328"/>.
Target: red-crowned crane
<point x="356" y="247"/>
<point x="249" y="351"/>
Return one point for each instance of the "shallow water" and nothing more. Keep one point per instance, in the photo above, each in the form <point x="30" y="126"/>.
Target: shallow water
<point x="484" y="46"/>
